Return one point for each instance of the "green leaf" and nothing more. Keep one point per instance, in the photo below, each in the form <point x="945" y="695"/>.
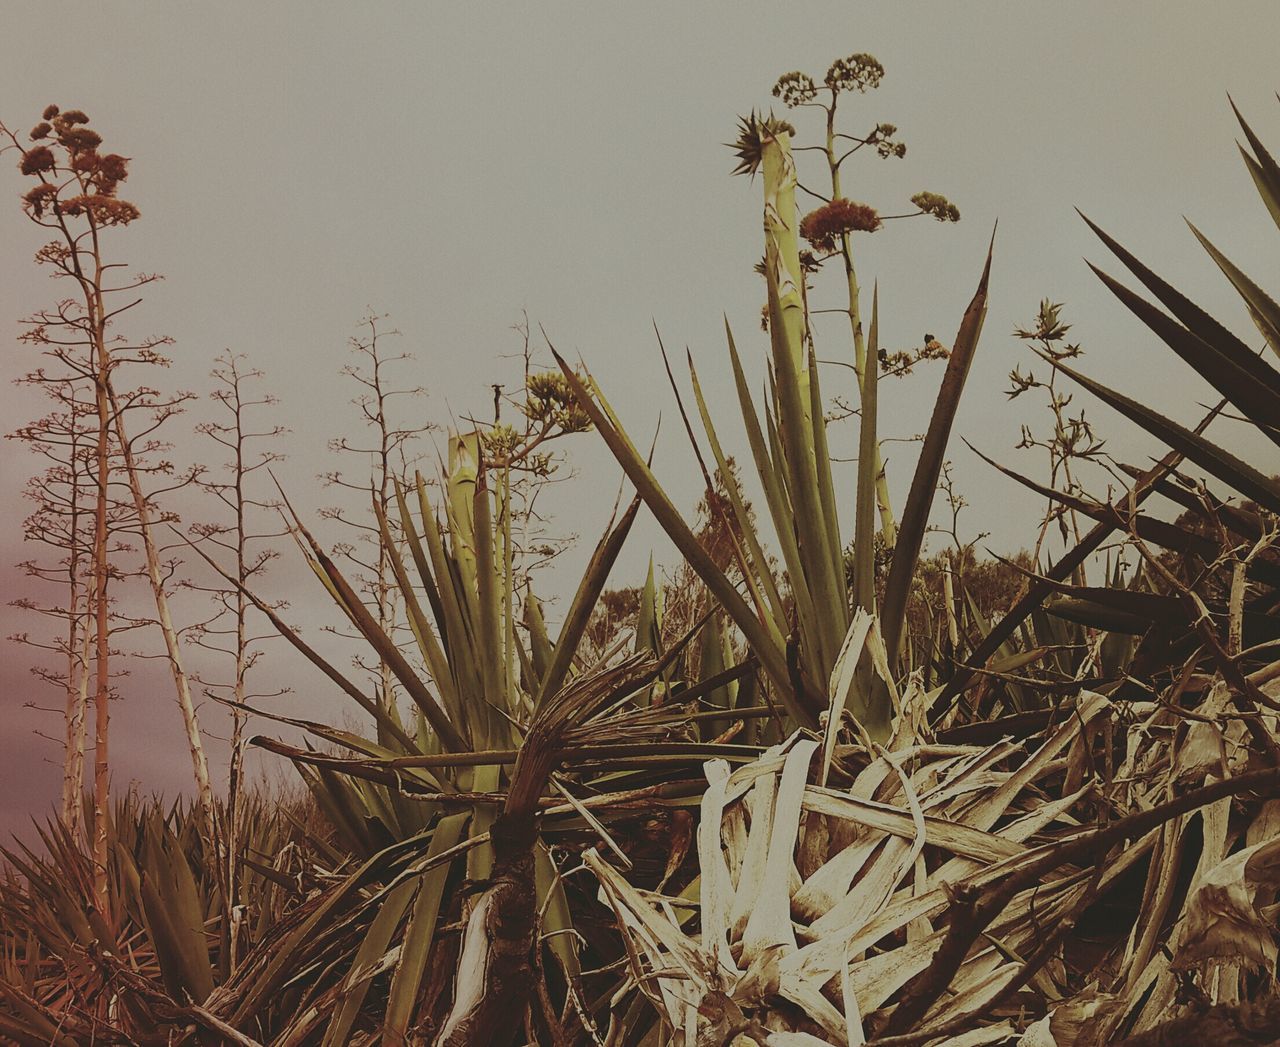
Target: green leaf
<point x="685" y="540"/>
<point x="711" y="663"/>
<point x="758" y="563"/>
<point x="1096" y="615"/>
<point x="1264" y="169"/>
<point x="772" y="476"/>
<point x="924" y="485"/>
<point x="1209" y="456"/>
<point x="539" y="642"/>
<point x="648" y="626"/>
<point x="428" y="644"/>
<point x="458" y="624"/>
<point x="585" y="599"/>
<point x="414" y="541"/>
<point x="1259" y="401"/>
<point x="174" y="915"/>
<point x="826" y="486"/>
<point x="800" y="444"/>
<point x="1262" y="307"/>
<point x="373" y="947"/>
<point x="420" y="933"/>
<point x="557" y="924"/>
<point x="1195" y="319"/>
<point x="489" y="637"/>
<point x="384" y="646"/>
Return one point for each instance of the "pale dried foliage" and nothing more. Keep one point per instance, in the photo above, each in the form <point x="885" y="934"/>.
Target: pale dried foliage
<point x="826" y="915"/>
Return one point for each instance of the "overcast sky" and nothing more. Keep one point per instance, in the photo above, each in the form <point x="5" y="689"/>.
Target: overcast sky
<point x="455" y="164"/>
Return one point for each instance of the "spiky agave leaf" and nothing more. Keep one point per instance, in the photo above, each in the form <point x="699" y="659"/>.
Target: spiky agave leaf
<point x="915" y="516"/>
<point x="754" y="130"/>
<point x="164" y="949"/>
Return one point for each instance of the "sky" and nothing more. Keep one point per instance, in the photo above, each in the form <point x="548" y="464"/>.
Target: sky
<point x="458" y="165"/>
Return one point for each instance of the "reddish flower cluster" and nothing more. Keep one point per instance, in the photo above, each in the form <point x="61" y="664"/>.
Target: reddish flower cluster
<point x="40" y="197"/>
<point x="823" y="227"/>
<point x="113" y="167"/>
<point x="104" y="172"/>
<point x="105" y="210"/>
<point x="36" y="160"/>
<point x="98" y="175"/>
<point x="78" y="139"/>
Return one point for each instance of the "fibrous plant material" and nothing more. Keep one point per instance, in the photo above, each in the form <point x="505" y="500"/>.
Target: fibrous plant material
<point x="936" y="895"/>
<point x="494" y="973"/>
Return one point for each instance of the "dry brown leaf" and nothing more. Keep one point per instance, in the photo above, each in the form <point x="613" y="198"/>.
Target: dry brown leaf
<point x="1224" y="918"/>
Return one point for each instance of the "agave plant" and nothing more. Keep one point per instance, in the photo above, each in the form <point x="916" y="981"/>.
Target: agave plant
<point x="517" y="737"/>
<point x="793" y="462"/>
<point x="68" y="974"/>
<point x="818" y="922"/>
<point x="1201" y="619"/>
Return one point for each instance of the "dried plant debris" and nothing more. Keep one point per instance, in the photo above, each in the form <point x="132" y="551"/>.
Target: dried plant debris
<point x="863" y="914"/>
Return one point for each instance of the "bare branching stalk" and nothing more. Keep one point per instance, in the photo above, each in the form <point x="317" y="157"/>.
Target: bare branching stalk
<point x="60" y="521"/>
<point x="1071" y="439"/>
<point x="76" y="199"/>
<point x="389" y="453"/>
<point x="156" y="575"/>
<point x="229" y="633"/>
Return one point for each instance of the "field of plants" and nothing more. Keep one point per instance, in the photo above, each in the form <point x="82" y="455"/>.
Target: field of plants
<point x="837" y="777"/>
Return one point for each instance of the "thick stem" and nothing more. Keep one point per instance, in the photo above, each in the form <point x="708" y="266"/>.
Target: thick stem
<point x="888" y="527"/>
<point x="74" y="771"/>
<point x="800" y="425"/>
<point x="77" y="658"/>
<point x="491" y="990"/>
<point x="200" y="766"/>
<point x="102" y="653"/>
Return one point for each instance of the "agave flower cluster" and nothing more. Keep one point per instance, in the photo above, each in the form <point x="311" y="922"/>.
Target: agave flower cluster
<point x="550" y="401"/>
<point x="90" y="178"/>
<point x="824" y="227"/>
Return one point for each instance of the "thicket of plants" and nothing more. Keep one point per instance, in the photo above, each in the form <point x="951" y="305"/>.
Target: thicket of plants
<point x="817" y="785"/>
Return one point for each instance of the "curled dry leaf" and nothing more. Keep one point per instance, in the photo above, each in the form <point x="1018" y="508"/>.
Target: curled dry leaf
<point x="1225" y="919"/>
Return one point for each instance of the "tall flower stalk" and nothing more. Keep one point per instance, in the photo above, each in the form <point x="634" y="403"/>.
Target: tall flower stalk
<point x="387" y="450"/>
<point x="802" y="627"/>
<point x="229" y="632"/>
<point x="76" y="199"/>
<point x="829" y="228"/>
